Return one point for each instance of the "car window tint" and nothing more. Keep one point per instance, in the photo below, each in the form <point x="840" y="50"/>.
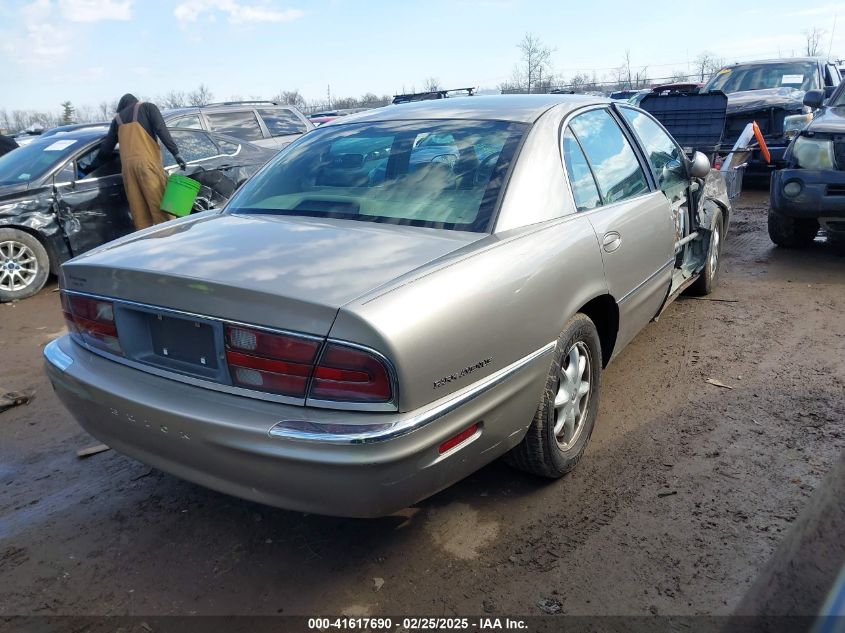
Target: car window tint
<point x="382" y="172"/>
<point x="584" y="188"/>
<point x="664" y="155"/>
<point x="615" y="166"/>
<point x="192" y="146"/>
<point x="281" y="121"/>
<point x="188" y="122"/>
<point x="242" y="125"/>
<point x="227" y="147"/>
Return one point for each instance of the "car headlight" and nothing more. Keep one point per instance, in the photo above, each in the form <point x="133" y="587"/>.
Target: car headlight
<point x="794" y="123"/>
<point x="811" y="153"/>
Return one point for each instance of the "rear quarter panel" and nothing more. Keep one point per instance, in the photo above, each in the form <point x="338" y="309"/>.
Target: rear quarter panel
<point x="506" y="298"/>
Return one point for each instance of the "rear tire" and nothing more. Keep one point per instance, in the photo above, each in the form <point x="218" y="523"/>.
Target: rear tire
<point x="24" y="265"/>
<point x="707" y="278"/>
<point x="792" y="232"/>
<point x="566" y="414"/>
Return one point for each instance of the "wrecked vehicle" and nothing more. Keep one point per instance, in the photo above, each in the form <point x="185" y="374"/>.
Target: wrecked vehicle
<point x="771" y="92"/>
<point x="51" y="210"/>
<point x="810" y="190"/>
<point x="358" y="330"/>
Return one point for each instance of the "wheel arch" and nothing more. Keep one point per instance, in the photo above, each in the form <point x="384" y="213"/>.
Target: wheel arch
<point x="57" y="252"/>
<point x="604" y="313"/>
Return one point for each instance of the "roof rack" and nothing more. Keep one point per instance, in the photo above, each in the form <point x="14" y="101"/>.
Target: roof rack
<point x="246" y="102"/>
<point x="431" y="94"/>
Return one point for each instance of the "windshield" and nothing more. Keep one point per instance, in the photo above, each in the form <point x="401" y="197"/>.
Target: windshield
<point x="797" y="75"/>
<point x="438" y="174"/>
<point x="35" y="159"/>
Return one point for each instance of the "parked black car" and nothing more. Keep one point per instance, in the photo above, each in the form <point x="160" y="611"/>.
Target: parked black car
<point x="770" y="92"/>
<point x="265" y="123"/>
<point x="51" y="210"/>
<point x="810" y="191"/>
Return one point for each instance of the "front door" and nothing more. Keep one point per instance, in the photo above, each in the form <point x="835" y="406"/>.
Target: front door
<point x="632" y="222"/>
<point x="92" y="208"/>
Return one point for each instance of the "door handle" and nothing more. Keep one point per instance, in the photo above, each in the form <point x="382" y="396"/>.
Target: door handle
<point x="611" y="241"/>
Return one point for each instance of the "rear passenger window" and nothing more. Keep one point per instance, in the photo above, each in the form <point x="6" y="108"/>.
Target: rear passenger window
<point x="615" y="166"/>
<point x="282" y="121"/>
<point x="242" y="125"/>
<point x="580" y="177"/>
<point x="192" y="146"/>
<point x="187" y="122"/>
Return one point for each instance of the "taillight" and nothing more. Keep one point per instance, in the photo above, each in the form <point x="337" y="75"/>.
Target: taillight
<point x="276" y="363"/>
<point x="348" y="374"/>
<point x="92" y="320"/>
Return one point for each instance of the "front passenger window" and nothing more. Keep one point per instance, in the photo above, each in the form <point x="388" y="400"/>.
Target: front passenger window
<point x="615" y="166"/>
<point x="667" y="160"/>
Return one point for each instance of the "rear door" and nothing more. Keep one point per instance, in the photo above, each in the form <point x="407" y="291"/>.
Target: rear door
<point x="213" y="163"/>
<point x="284" y="124"/>
<point x="632" y="220"/>
<point x="241" y="124"/>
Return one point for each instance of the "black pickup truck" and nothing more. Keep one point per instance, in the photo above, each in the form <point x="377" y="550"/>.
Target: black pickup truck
<point x="771" y="92"/>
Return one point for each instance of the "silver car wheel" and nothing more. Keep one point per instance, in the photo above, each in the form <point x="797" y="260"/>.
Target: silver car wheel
<point x="18" y="266"/>
<point x="573" y="395"/>
<point x="714" y="249"/>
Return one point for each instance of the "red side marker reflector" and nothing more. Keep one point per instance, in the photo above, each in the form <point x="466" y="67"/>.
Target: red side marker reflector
<point x="461" y="437"/>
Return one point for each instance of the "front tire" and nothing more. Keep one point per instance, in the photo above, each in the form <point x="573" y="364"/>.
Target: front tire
<point x="24" y="265"/>
<point x="792" y="232"/>
<point x="707" y="279"/>
<point x="566" y="413"/>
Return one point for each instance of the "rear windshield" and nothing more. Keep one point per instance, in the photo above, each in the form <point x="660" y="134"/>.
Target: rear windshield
<point x="35" y="159"/>
<point x="797" y="75"/>
<point x="438" y="174"/>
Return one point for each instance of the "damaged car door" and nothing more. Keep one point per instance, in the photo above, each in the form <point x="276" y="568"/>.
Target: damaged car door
<point x="92" y="208"/>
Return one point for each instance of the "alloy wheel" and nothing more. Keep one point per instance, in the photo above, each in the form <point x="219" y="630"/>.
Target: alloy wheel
<point x="714" y="249"/>
<point x="18" y="266"/>
<point x="573" y="395"/>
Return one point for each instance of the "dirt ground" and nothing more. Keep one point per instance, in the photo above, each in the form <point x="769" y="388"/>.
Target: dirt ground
<point x="684" y="493"/>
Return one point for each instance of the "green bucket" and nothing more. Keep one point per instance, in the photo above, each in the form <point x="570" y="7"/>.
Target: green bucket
<point x="179" y="195"/>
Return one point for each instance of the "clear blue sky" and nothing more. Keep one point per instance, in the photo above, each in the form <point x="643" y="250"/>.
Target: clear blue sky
<point x="88" y="51"/>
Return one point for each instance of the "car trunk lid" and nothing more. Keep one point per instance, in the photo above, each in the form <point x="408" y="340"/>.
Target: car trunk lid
<point x="290" y="273"/>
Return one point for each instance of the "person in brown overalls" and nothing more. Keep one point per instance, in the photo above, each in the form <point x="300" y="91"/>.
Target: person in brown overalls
<point x="136" y="126"/>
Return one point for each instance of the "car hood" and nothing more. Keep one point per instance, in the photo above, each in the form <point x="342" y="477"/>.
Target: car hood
<point x="286" y="272"/>
<point x="10" y="192"/>
<point x="831" y="120"/>
<point x="747" y="100"/>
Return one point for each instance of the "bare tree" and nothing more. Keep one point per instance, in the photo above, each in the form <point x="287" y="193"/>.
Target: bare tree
<point x="291" y="97"/>
<point x="706" y="64"/>
<point x="174" y="99"/>
<point x="678" y="76"/>
<point x="534" y="72"/>
<point x="432" y="84"/>
<point x="201" y="96"/>
<point x="814" y="37"/>
<point x="86" y="114"/>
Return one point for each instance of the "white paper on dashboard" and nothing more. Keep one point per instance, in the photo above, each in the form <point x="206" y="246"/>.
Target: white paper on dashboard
<point x="792" y="79"/>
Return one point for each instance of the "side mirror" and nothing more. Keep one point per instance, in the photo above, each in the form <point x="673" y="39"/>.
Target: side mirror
<point x="699" y="166"/>
<point x="814" y="99"/>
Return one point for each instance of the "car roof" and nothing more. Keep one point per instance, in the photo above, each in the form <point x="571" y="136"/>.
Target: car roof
<point x="517" y="108"/>
<point x="779" y="60"/>
<point x="78" y="134"/>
